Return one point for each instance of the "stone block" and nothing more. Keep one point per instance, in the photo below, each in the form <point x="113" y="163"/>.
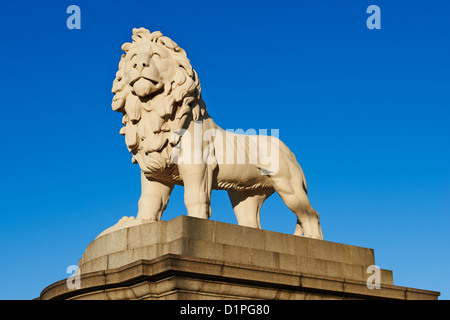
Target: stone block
<point x="287" y="261"/>
<point x="354" y="272"/>
<point x="119" y="259"/>
<point x="386" y="292"/>
<point x="236" y="254"/>
<point x="286" y="243"/>
<point x="322" y="267"/>
<point x="201" y="259"/>
<point x="387" y="277"/>
<point x="120" y="294"/>
<point x="362" y="256"/>
<point x="192" y="228"/>
<point x="145" y="235"/>
<point x="238" y="236"/>
<point x="321" y="283"/>
<point x="205" y="249"/>
<point x="116" y="241"/>
<point x="97" y="264"/>
<point x="263" y="258"/>
<point x="95" y="249"/>
<point x="144" y="253"/>
<point x="330" y="251"/>
<point x="417" y="294"/>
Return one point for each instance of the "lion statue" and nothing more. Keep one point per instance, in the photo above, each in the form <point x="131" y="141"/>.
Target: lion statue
<point x="171" y="136"/>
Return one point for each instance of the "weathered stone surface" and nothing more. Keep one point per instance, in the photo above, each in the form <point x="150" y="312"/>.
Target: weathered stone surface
<point x="191" y="258"/>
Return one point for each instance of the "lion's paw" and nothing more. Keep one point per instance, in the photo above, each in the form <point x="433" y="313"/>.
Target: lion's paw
<point x="126" y="219"/>
<point x="124" y="222"/>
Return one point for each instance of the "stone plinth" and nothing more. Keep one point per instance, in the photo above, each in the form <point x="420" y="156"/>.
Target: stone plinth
<point x="190" y="258"/>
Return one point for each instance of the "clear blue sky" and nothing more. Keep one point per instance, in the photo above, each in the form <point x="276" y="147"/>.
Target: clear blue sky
<point x="365" y="111"/>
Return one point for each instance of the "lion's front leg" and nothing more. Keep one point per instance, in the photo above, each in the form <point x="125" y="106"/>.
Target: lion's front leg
<point x="154" y="198"/>
<point x="197" y="180"/>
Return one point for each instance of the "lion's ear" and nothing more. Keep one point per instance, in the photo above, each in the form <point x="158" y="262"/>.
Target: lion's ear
<point x="126" y="46"/>
<point x="141" y="33"/>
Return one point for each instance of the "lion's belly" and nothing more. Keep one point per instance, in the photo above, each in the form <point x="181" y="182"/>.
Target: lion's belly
<point x="240" y="177"/>
<point x="238" y="157"/>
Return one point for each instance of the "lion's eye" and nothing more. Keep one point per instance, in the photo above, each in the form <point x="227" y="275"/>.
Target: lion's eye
<point x="156" y="55"/>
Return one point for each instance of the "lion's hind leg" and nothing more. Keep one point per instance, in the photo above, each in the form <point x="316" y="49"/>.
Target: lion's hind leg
<point x="308" y="222"/>
<point x="289" y="183"/>
<point x="247" y="205"/>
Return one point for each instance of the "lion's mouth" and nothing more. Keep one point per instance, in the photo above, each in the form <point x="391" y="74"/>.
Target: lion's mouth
<point x="154" y="82"/>
<point x="144" y="86"/>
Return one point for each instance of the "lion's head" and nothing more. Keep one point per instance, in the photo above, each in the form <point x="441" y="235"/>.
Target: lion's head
<point x="156" y="89"/>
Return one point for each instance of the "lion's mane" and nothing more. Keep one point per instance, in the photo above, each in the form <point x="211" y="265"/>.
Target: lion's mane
<point x="150" y="123"/>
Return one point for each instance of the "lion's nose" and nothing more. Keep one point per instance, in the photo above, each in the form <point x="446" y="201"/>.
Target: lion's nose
<point x="140" y="66"/>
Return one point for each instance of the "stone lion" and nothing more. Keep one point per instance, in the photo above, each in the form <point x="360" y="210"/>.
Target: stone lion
<point x="168" y="131"/>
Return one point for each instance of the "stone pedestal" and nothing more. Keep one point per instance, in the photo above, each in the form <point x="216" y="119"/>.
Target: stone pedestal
<point x="190" y="258"/>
